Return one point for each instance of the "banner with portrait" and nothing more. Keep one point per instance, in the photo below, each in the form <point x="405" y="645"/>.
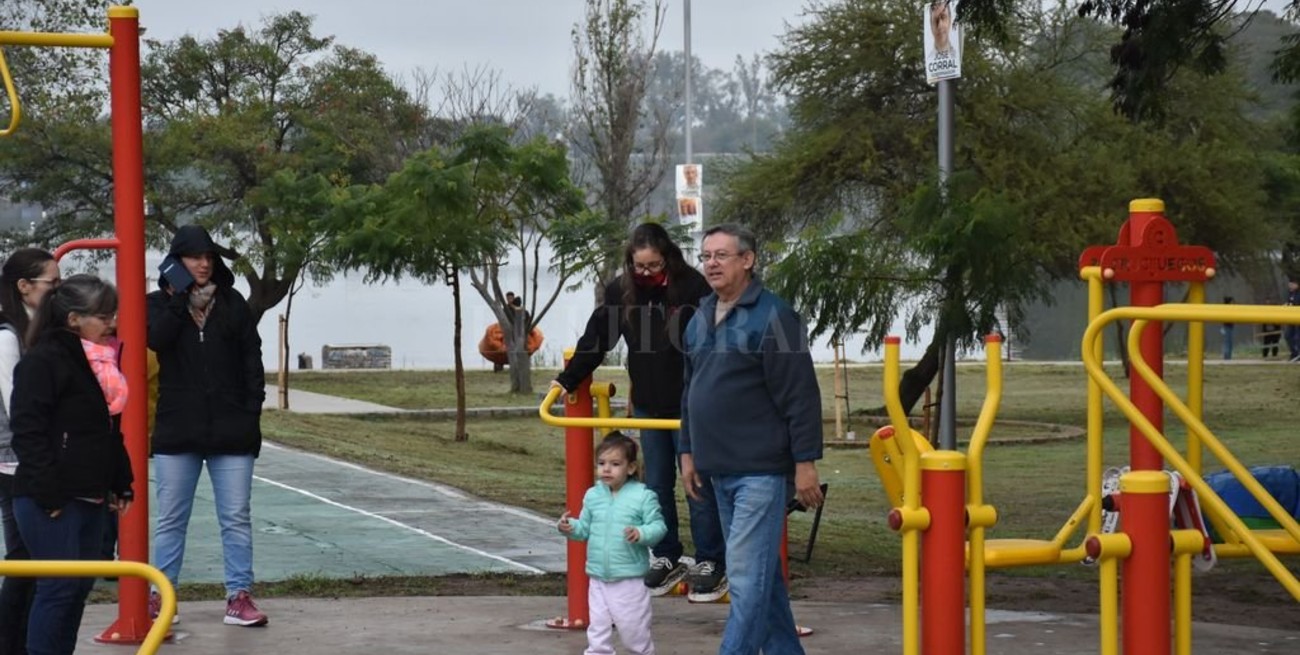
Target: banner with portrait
<point x="942" y="41"/>
<point x="690" y="197"/>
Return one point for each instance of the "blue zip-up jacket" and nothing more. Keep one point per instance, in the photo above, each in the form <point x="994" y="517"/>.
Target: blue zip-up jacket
<point x="751" y="403"/>
<point x="601" y="523"/>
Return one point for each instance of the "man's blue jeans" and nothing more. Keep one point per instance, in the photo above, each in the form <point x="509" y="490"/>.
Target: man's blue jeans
<point x="659" y="449"/>
<point x="76" y="534"/>
<point x="753" y="518"/>
<point x="177" y="478"/>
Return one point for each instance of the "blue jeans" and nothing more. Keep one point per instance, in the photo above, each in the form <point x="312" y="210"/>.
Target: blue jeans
<point x="1293" y="340"/>
<point x="1227" y="332"/>
<point x="177" y="476"/>
<point x="753" y="518"/>
<point x="15" y="592"/>
<point x="659" y="448"/>
<point x="76" y="534"/>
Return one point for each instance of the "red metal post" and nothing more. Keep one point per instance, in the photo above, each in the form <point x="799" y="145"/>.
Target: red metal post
<point x="1146" y="578"/>
<point x="943" y="553"/>
<point x="579" y="476"/>
<point x="1142" y="455"/>
<point x="133" y="620"/>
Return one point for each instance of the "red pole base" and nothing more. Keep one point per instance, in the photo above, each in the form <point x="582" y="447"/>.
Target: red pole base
<point x="127" y="631"/>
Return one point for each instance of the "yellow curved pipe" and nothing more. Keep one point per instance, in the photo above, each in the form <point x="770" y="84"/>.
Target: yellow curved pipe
<point x="975" y="490"/>
<point x="911" y="503"/>
<point x="1095" y="456"/>
<point x="15" y="109"/>
<point x="95" y="569"/>
<point x="544" y="412"/>
<point x="1178" y="312"/>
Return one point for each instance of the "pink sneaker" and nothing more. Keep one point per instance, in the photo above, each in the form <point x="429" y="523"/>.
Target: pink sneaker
<point x="240" y="610"/>
<point x="155" y="608"/>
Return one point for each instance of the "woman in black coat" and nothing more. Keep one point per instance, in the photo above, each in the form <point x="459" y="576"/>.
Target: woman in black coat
<point x="211" y="385"/>
<point x="71" y="458"/>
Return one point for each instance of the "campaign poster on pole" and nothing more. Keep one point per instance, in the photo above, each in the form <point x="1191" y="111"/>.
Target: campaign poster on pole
<point x="942" y="41"/>
<point x="690" y="200"/>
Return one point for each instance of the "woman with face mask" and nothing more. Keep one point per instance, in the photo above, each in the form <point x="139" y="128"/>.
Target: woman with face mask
<point x="648" y="306"/>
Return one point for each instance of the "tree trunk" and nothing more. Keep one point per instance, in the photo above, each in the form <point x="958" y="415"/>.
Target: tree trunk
<point x="521" y="365"/>
<point x="461" y="434"/>
<point x="911" y="387"/>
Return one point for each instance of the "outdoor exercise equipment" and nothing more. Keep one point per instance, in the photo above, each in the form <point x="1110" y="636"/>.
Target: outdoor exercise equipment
<point x="1142" y="552"/>
<point x="123" y="44"/>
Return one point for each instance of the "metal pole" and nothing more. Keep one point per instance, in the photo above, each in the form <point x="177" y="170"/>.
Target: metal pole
<point x="948" y="402"/>
<point x="686" y="14"/>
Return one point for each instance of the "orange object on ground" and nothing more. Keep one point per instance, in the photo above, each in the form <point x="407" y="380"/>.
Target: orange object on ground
<point x="493" y="344"/>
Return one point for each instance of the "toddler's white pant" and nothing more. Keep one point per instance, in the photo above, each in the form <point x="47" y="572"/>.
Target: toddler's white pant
<point x="622" y="603"/>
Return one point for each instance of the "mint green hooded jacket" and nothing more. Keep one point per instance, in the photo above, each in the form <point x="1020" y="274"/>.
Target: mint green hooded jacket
<point x="604" y="516"/>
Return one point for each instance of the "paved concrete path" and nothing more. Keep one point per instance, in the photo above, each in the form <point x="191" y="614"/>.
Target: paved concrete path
<point x="514" y="626"/>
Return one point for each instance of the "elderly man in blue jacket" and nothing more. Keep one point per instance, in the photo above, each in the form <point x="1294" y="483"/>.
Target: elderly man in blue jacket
<point x="752" y="422"/>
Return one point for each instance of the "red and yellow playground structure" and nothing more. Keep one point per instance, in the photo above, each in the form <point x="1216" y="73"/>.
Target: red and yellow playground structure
<point x="939" y="507"/>
<point x="122" y="40"/>
<point x="586" y="410"/>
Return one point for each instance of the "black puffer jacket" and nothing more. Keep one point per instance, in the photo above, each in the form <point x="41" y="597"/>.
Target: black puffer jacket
<point x="653" y="338"/>
<point x="67" y="445"/>
<point x="211" y="383"/>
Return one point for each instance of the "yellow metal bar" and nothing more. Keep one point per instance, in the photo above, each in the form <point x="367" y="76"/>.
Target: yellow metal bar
<point x="1076" y="519"/>
<point x="911" y="503"/>
<point x="15" y="109"/>
<point x="1096" y="302"/>
<point x="96" y="569"/>
<point x="1165" y="313"/>
<point x="595" y="422"/>
<point x="1186" y="544"/>
<point x="50" y="39"/>
<point x="1109" y="618"/>
<point x="1195" y="374"/>
<point x="602" y="392"/>
<point x="975" y="491"/>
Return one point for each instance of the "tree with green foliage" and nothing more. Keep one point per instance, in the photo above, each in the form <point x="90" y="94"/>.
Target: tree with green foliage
<point x="1043" y="167"/>
<point x="249" y="133"/>
<point x="466" y="211"/>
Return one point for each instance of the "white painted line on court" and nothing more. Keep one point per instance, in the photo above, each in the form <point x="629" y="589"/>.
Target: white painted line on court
<point x="450" y="492"/>
<point x="399" y="524"/>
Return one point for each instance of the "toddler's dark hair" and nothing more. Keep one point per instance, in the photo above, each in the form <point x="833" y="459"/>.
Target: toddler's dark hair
<point x="616" y="440"/>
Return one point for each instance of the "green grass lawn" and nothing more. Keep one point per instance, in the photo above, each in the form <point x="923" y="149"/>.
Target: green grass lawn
<point x="1034" y="486"/>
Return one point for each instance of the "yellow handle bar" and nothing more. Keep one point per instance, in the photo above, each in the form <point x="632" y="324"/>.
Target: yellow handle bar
<point x="15" y="111"/>
<point x="616" y="423"/>
<point x="95" y="569"/>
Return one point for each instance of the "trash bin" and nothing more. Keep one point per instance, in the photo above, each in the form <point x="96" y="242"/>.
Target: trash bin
<point x="304" y="362"/>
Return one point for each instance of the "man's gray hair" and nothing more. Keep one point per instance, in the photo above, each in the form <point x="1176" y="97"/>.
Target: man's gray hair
<point x="744" y="236"/>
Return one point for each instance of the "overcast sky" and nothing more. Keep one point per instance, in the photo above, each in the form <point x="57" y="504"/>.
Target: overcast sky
<point x="528" y="41"/>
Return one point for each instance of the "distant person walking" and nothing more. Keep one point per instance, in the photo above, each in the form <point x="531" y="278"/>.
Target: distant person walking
<point x="620" y="517"/>
<point x="648" y="306"/>
<point x="752" y="422"/>
<point x="72" y="462"/>
<point x="1292" y="332"/>
<point x="1227" y="331"/>
<point x="211" y="386"/>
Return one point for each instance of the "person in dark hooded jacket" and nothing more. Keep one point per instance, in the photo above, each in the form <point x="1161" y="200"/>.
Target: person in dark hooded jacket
<point x="211" y="385"/>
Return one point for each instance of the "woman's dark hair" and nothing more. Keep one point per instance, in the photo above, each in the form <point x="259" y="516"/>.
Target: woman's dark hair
<point x="654" y="236"/>
<point x="616" y="440"/>
<point x="24" y="264"/>
<point x="80" y="294"/>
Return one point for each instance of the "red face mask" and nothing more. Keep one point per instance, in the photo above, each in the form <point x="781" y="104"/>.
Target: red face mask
<point x="651" y="281"/>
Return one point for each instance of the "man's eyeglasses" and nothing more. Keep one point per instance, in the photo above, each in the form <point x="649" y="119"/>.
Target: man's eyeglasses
<point x="52" y="281"/>
<point x="721" y="256"/>
<point x="652" y="267"/>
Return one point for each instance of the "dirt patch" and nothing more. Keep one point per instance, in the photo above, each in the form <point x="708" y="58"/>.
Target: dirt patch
<point x="1230" y="597"/>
